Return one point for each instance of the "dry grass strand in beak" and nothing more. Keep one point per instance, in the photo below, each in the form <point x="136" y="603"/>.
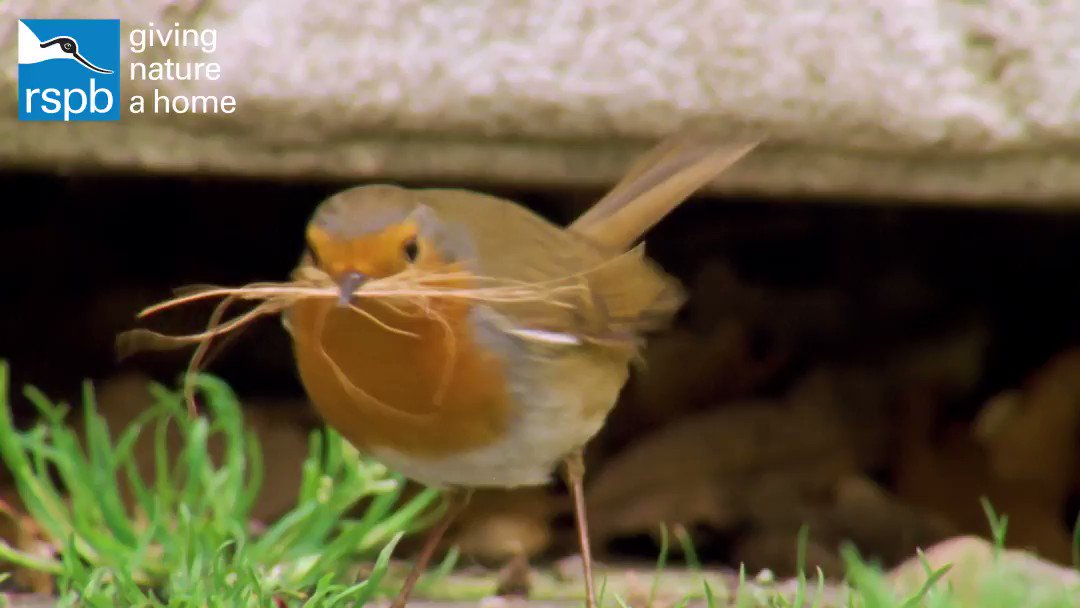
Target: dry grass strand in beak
<point x="419" y="287"/>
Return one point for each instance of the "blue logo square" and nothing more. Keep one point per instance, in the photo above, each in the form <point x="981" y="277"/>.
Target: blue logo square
<point x="69" y="69"/>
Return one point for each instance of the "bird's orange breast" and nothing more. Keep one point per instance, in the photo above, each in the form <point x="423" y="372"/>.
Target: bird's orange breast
<point x="430" y="394"/>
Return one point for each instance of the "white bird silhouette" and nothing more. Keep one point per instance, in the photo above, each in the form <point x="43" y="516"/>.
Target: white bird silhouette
<point x="33" y="50"/>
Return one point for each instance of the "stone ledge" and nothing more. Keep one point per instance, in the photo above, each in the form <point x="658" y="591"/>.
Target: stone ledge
<point x="933" y="100"/>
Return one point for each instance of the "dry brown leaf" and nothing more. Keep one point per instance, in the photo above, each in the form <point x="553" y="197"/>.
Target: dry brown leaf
<point x="790" y="314"/>
<point x="877" y="520"/>
<point x="21" y="532"/>
<point x="947" y="364"/>
<point x="709" y="467"/>
<point x="950" y="476"/>
<point x="1021" y="453"/>
<point x="1036" y="441"/>
<point x="774" y="466"/>
<point x="686" y="369"/>
<point x="500" y="525"/>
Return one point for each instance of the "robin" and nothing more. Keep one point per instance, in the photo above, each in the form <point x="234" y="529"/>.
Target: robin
<point x="466" y="394"/>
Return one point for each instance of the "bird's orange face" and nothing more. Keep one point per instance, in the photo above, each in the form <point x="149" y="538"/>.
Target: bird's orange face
<point x="375" y="255"/>
<point x="351" y="258"/>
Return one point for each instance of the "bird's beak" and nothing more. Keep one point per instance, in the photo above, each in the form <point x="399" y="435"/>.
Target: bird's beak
<point x="348" y="284"/>
<point x="83" y="61"/>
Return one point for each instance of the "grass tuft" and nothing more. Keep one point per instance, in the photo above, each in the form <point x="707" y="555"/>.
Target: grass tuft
<point x="184" y="539"/>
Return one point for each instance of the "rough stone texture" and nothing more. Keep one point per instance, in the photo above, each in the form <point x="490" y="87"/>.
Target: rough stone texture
<point x="928" y="99"/>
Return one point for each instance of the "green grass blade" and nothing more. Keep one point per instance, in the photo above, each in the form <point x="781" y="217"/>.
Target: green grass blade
<point x="928" y="584"/>
<point x="1076" y="544"/>
<point x="378" y="572"/>
<point x="661" y="563"/>
<point x="803" y="540"/>
<point x="402" y="519"/>
<point x="256" y="475"/>
<point x="41" y="499"/>
<point x="445" y="567"/>
<point x="103" y="467"/>
<point x="742" y="596"/>
<point x="710" y="597"/>
<point x="998" y="524"/>
<point x="819" y="595"/>
<point x="11" y="556"/>
<point x="686" y="543"/>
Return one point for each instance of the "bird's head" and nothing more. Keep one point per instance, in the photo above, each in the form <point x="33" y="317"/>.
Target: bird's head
<point x="60" y="47"/>
<point x="373" y="232"/>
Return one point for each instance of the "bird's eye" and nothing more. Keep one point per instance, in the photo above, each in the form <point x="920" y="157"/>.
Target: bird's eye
<point x="411" y="249"/>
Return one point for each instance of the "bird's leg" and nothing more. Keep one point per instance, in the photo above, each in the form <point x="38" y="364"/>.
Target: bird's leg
<point x="456" y="500"/>
<point x="575" y="473"/>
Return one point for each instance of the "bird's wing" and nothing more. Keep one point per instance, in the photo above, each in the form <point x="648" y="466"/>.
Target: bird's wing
<point x="602" y="293"/>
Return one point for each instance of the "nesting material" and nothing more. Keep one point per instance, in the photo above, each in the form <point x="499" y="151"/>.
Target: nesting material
<point x="410" y="293"/>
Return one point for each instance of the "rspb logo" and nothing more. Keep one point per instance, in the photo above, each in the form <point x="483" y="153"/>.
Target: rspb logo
<point x="69" y="69"/>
